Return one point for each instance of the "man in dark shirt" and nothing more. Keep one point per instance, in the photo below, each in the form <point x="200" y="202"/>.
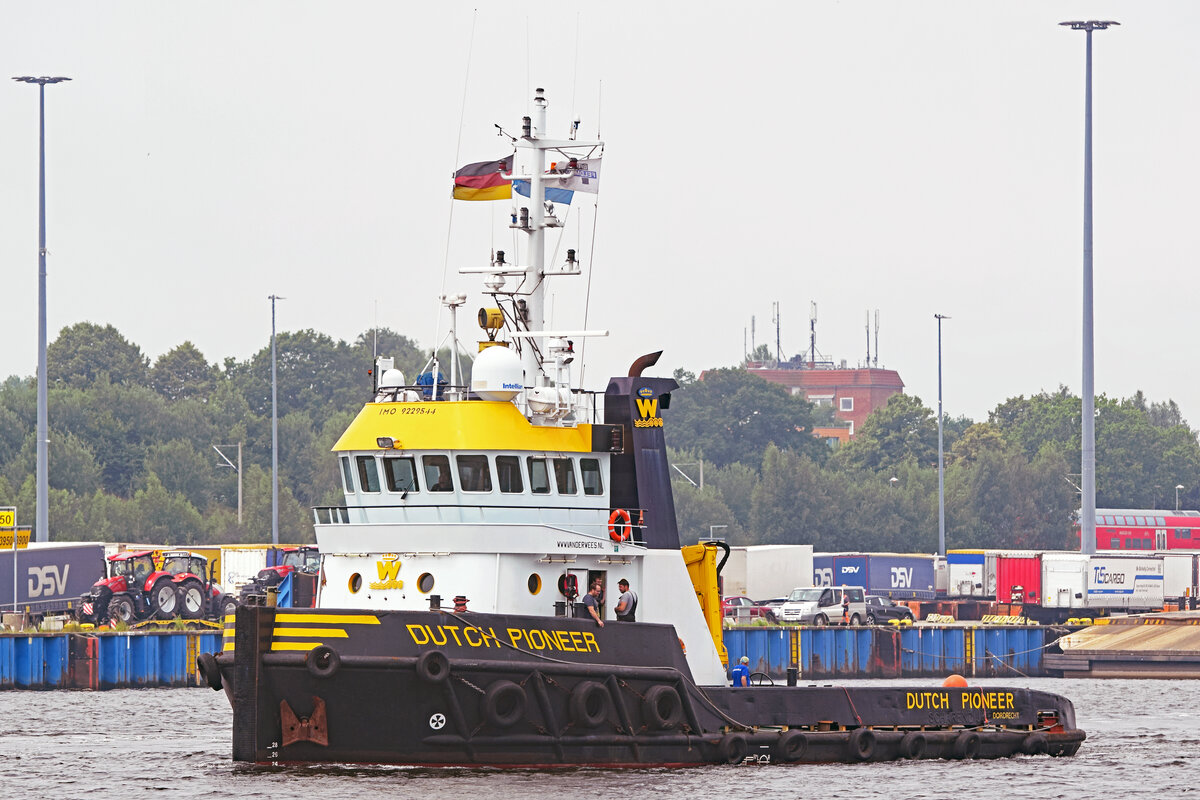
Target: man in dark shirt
<point x="626" y="603"/>
<point x="591" y="601"/>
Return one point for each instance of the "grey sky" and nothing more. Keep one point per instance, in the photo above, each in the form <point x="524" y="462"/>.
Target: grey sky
<point x="910" y="157"/>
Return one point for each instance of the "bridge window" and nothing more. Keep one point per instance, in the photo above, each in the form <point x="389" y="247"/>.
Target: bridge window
<point x="437" y="473"/>
<point x="589" y="469"/>
<point x="473" y="474"/>
<point x="368" y="474"/>
<point x="400" y="474"/>
<point x="347" y="474"/>
<point x="564" y="475"/>
<point x="508" y="474"/>
<point x="539" y="477"/>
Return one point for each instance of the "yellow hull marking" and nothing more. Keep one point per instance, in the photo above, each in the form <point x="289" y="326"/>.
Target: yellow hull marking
<point x="337" y="619"/>
<point x="329" y="633"/>
<point x="295" y="645"/>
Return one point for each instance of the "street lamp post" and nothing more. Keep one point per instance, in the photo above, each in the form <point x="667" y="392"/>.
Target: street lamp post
<point x="1087" y="514"/>
<point x="1177" y="488"/>
<point x="274" y="434"/>
<point x="42" y="513"/>
<point x="941" y="455"/>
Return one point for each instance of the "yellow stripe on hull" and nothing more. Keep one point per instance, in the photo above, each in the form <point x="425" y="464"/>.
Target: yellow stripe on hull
<point x="327" y="619"/>
<point x="458" y="425"/>
<point x="295" y="645"/>
<point x="328" y="633"/>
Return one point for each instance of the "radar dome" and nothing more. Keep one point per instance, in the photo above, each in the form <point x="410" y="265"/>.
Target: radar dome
<point x="391" y="379"/>
<point x="497" y="374"/>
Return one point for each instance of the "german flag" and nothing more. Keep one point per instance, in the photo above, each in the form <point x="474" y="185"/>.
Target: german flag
<point x="483" y="181"/>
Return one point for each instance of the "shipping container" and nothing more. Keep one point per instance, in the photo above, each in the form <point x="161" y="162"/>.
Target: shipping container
<point x="1102" y="582"/>
<point x="1179" y="575"/>
<point x="971" y="573"/>
<point x="896" y="575"/>
<point x="1019" y="577"/>
<point x="240" y="565"/>
<point x="48" y="577"/>
<point x="1134" y="583"/>
<point x="763" y="572"/>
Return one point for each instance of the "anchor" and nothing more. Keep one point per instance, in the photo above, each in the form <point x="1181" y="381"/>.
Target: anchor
<point x="304" y="729"/>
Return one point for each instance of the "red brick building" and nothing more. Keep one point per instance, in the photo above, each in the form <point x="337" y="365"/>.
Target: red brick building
<point x="853" y="393"/>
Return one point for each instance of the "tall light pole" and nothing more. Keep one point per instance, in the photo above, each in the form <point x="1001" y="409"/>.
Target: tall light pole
<point x="1087" y="514"/>
<point x="274" y="434"/>
<point x="42" y="513"/>
<point x="941" y="455"/>
<point x="1177" y="488"/>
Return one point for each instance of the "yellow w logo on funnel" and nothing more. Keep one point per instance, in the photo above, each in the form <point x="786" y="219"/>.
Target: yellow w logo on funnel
<point x="647" y="407"/>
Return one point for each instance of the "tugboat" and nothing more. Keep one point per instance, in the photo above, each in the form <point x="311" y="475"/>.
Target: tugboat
<point x="517" y="495"/>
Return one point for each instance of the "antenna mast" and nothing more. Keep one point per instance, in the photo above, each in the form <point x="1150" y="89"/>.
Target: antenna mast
<point x="868" y="337"/>
<point x="812" y="334"/>
<point x="877" y="337"/>
<point x="775" y="319"/>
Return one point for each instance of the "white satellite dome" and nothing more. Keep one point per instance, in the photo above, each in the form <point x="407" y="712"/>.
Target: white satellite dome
<point x="497" y="374"/>
<point x="391" y="379"/>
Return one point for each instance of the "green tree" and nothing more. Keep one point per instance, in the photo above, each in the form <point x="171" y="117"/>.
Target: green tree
<point x="903" y="429"/>
<point x="85" y="351"/>
<point x="183" y="373"/>
<point x="732" y="415"/>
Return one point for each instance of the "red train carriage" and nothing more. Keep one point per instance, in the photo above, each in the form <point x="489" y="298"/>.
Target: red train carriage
<point x="1146" y="529"/>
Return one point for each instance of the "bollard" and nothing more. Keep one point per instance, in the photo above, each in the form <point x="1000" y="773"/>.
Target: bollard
<point x="793" y="676"/>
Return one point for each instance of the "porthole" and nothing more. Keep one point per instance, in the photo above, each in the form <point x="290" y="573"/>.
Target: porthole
<point x="355" y="583"/>
<point x="425" y="583"/>
<point x="535" y="583"/>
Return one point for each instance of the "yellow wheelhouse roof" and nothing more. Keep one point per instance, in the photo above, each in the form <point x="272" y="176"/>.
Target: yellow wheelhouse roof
<point x="457" y="425"/>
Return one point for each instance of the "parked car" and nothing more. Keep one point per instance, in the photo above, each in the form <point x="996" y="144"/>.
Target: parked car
<point x="822" y="605"/>
<point x="881" y="610"/>
<point x="775" y="603"/>
<point x="741" y="606"/>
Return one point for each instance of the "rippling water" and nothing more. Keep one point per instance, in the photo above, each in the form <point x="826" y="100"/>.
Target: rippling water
<point x="1143" y="736"/>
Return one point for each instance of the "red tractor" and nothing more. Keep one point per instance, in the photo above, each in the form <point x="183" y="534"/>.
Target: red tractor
<point x="137" y="590"/>
<point x="198" y="593"/>
<point x="303" y="561"/>
<point x="134" y="590"/>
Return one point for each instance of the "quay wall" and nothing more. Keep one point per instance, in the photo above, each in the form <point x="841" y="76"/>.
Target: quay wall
<point x="907" y="652"/>
<point x="136" y="659"/>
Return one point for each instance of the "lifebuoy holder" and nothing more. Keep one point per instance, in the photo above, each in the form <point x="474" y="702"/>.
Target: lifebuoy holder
<point x="620" y="526"/>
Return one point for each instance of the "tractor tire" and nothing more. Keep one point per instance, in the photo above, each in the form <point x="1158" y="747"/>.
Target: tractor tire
<point x="191" y="599"/>
<point x="227" y="606"/>
<point x="121" y="609"/>
<point x="164" y="601"/>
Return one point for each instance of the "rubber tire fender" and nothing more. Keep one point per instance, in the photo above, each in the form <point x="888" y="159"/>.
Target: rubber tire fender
<point x="732" y="748"/>
<point x="790" y="746"/>
<point x="433" y="667"/>
<point x="504" y="704"/>
<point x="206" y="663"/>
<point x="1035" y="744"/>
<point x="588" y="704"/>
<point x="913" y="745"/>
<point x="966" y="745"/>
<point x="862" y="744"/>
<point x="323" y="661"/>
<point x="662" y="707"/>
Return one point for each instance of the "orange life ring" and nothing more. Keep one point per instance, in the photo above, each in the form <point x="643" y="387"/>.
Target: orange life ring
<point x="618" y="525"/>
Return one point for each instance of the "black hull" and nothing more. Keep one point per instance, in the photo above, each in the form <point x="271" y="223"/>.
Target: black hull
<point x="432" y="688"/>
